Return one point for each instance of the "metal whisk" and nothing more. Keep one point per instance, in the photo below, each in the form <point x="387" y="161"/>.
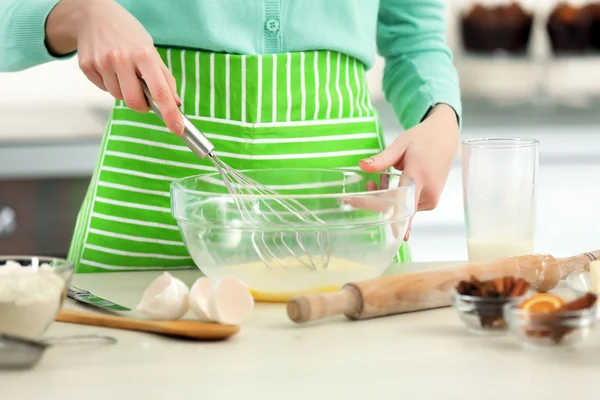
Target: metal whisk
<point x="269" y="210"/>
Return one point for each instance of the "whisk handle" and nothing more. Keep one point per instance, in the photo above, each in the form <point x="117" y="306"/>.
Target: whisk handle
<point x="192" y="137"/>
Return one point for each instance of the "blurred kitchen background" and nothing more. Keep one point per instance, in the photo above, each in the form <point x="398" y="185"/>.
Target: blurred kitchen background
<point x="527" y="68"/>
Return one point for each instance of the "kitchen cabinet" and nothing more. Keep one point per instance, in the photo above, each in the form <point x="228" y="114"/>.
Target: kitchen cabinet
<point x="37" y="216"/>
<point x="42" y="186"/>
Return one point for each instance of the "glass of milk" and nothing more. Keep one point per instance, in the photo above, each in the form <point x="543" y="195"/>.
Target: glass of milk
<point x="499" y="179"/>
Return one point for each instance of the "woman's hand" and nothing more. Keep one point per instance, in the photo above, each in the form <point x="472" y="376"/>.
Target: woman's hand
<point x="114" y="50"/>
<point x="424" y="153"/>
<point x="385" y="202"/>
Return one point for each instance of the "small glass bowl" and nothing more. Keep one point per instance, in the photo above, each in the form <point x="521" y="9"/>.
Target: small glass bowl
<point x="579" y="282"/>
<point x="31" y="298"/>
<point x="482" y="315"/>
<point x="539" y="331"/>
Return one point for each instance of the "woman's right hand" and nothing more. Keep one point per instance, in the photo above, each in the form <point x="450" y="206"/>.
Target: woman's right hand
<point x="114" y="50"/>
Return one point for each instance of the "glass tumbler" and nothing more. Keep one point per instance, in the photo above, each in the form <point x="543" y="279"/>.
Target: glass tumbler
<point x="499" y="179"/>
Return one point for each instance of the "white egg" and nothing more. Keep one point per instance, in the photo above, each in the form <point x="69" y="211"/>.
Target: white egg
<point x="166" y="298"/>
<point x="230" y="301"/>
<point x="199" y="294"/>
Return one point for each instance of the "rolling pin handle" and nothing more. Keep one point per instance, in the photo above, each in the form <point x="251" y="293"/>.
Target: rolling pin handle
<point x="312" y="307"/>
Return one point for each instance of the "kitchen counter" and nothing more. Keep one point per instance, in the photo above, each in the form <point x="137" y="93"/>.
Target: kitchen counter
<point x="424" y="355"/>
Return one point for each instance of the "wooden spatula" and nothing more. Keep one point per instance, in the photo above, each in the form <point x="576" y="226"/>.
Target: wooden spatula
<point x="181" y="328"/>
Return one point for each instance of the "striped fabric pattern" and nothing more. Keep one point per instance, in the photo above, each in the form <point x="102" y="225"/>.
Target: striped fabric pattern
<point x="309" y="110"/>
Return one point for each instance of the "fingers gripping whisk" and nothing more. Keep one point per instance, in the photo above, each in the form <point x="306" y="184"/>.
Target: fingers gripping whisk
<point x="275" y="240"/>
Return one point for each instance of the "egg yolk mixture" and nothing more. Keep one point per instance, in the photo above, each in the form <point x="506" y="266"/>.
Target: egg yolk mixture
<point x="269" y="297"/>
<point x="294" y="278"/>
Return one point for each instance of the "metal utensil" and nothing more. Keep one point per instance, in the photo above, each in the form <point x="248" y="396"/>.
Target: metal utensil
<point x="83" y="296"/>
<point x="17" y="352"/>
<point x="266" y="203"/>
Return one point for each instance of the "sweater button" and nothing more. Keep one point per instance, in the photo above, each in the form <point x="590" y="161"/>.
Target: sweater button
<point x="272" y="25"/>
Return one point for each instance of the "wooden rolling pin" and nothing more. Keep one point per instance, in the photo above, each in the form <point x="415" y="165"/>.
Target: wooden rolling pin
<point x="188" y="329"/>
<point x="416" y="291"/>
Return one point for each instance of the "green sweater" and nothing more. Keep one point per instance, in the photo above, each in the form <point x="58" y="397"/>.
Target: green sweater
<point x="410" y="34"/>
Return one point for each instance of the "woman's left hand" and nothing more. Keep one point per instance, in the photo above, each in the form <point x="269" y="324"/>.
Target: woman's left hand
<point x="424" y="153"/>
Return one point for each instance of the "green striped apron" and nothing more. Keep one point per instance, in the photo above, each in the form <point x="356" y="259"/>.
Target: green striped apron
<point x="305" y="109"/>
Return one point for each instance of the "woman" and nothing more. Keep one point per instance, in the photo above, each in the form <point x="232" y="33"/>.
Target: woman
<point x="276" y="83"/>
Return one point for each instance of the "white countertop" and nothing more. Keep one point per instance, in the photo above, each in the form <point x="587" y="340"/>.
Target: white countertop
<point x="424" y="355"/>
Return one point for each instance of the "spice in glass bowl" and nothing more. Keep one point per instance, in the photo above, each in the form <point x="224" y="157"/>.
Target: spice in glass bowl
<point x="479" y="303"/>
<point x="547" y="320"/>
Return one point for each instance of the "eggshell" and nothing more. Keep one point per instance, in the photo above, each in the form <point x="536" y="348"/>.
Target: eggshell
<point x="166" y="298"/>
<point x="230" y="301"/>
<point x="199" y="293"/>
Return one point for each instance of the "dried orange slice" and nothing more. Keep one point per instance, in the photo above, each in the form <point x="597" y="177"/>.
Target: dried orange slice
<point x="542" y="303"/>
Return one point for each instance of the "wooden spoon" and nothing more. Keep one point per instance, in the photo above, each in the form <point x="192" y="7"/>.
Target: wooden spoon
<point x="181" y="328"/>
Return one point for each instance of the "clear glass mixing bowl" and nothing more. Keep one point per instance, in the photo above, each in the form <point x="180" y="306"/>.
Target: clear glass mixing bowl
<point x="355" y="227"/>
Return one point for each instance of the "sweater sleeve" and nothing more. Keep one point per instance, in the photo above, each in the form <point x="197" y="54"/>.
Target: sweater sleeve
<point x="419" y="71"/>
<point x="22" y="34"/>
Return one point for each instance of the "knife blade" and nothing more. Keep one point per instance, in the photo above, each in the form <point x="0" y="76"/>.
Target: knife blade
<point x="83" y="296"/>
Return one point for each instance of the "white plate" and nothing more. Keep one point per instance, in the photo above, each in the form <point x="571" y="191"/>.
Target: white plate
<point x="579" y="282"/>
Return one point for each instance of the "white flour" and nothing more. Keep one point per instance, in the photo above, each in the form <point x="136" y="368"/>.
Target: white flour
<point x="29" y="298"/>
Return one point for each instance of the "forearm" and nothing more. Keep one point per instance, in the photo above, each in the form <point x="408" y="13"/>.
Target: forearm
<point x="63" y="24"/>
<point x="419" y="72"/>
<point x="416" y="86"/>
<point x="25" y="25"/>
<point x="446" y="113"/>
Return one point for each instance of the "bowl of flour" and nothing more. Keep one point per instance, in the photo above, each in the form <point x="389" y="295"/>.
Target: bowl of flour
<point x="32" y="291"/>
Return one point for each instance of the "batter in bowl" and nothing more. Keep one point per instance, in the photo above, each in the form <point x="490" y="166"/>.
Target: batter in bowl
<point x="282" y="283"/>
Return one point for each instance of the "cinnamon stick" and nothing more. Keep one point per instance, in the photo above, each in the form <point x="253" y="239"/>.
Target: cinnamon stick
<point x="499" y="291"/>
<point x="582" y="303"/>
<point x="520" y="287"/>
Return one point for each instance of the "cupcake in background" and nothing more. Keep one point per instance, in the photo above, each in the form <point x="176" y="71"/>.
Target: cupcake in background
<point x="594" y="11"/>
<point x="570" y="29"/>
<point x="501" y="28"/>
